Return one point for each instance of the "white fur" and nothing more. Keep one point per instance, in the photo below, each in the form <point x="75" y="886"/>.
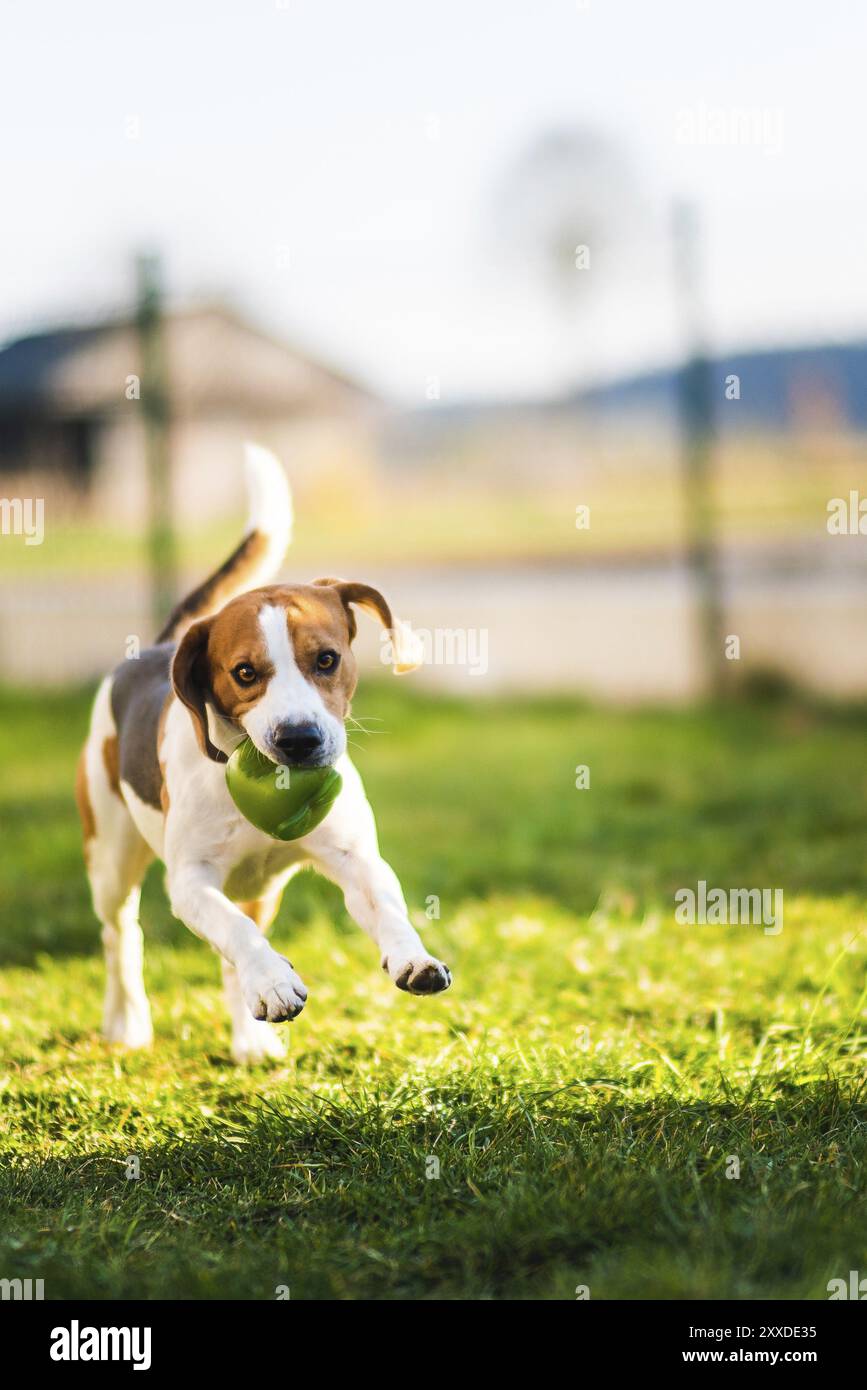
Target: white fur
<point x="212" y="854"/>
<point x="289" y="698"/>
<point x="117" y="859"/>
<point x="148" y="819"/>
<point x="215" y="859"/>
<point x="270" y="506"/>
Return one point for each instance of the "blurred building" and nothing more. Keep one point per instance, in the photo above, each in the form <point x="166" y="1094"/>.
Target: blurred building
<point x="70" y="421"/>
<point x="464" y="513"/>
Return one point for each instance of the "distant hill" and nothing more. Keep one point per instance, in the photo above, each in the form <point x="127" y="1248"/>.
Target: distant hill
<point x="780" y="389"/>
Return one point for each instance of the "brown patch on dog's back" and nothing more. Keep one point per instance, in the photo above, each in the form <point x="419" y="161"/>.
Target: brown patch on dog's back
<point x="82" y="799"/>
<point x="111" y="761"/>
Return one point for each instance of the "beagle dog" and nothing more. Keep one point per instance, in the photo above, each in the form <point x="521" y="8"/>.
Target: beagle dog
<point x="237" y="660"/>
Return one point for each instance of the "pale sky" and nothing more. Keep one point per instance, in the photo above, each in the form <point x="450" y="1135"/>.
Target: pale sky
<point x="333" y="167"/>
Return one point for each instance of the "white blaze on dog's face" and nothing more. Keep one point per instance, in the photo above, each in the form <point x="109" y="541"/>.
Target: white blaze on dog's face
<point x="290" y="721"/>
<point x="278" y="664"/>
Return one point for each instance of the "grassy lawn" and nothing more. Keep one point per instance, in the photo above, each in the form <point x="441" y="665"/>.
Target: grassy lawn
<point x="583" y="1086"/>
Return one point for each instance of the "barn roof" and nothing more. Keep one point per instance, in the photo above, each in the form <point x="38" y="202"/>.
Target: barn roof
<point x="217" y="363"/>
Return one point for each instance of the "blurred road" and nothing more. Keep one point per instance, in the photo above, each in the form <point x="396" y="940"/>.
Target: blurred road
<point x="617" y="632"/>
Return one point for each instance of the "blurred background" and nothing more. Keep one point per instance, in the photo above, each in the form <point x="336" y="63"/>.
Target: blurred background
<point x="556" y="315"/>
<point x="557" y="319"/>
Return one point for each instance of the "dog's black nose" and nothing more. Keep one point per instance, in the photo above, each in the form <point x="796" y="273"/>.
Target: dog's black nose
<point x="298" y="742"/>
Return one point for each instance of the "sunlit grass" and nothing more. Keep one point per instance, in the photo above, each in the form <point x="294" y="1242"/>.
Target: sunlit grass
<point x="584" y="1087"/>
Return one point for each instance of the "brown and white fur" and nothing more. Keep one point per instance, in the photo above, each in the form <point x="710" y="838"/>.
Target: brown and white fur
<point x="236" y="660"/>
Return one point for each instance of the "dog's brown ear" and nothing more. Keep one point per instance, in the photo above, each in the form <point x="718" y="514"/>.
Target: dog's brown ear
<point x="190" y="684"/>
<point x="406" y="647"/>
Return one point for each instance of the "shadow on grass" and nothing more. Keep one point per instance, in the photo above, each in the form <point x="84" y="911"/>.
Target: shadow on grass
<point x="458" y="1190"/>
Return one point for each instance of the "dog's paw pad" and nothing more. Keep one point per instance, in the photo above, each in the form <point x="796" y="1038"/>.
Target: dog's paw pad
<point x="275" y="993"/>
<point x="425" y="976"/>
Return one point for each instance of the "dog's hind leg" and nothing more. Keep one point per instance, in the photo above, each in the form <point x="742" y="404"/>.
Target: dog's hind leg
<point x="252" y="1041"/>
<point x="116" y="857"/>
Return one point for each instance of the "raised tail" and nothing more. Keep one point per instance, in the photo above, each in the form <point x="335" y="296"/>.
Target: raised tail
<point x="257" y="559"/>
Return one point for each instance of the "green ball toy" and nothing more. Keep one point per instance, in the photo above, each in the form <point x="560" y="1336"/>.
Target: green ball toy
<point x="285" y="802"/>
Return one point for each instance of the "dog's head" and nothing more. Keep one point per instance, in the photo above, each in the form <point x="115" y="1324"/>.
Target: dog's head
<point x="278" y="664"/>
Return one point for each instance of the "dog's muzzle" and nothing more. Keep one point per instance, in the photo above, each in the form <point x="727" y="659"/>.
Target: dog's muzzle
<point x="300" y="745"/>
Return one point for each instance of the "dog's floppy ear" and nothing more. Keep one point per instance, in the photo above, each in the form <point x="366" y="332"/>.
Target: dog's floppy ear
<point x="190" y="683"/>
<point x="406" y="647"/>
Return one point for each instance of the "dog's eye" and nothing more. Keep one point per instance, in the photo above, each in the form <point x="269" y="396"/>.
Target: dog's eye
<point x="327" y="661"/>
<point x="244" y="674"/>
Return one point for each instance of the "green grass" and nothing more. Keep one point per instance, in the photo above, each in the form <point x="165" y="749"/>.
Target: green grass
<point x="583" y="1085"/>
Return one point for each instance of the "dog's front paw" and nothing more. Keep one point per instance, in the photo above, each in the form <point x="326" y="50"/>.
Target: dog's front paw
<point x="272" y="990"/>
<point x="419" y="975"/>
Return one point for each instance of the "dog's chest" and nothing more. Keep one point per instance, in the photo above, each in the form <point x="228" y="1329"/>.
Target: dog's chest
<point x="207" y="826"/>
<point x="254" y="862"/>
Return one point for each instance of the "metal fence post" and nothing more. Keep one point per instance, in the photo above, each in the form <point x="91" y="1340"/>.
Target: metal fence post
<point x="162" y="561"/>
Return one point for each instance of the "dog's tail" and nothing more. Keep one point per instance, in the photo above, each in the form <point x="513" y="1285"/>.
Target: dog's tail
<point x="257" y="558"/>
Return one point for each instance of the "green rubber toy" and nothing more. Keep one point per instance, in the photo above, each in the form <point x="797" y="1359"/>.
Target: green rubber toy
<point x="285" y="802"/>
